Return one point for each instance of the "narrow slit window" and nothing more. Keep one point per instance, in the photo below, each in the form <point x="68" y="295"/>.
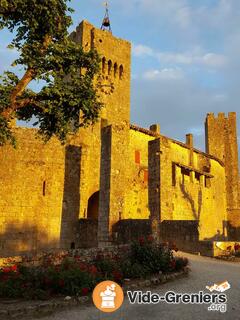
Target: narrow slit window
<point x="103" y="65"/>
<point x="115" y="70"/>
<point x="44" y="188"/>
<point x="120" y="72"/>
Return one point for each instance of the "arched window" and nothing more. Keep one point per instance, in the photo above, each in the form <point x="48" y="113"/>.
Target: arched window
<point x="115" y="70"/>
<point x="109" y="67"/>
<point x="103" y="65"/>
<point x="120" y="72"/>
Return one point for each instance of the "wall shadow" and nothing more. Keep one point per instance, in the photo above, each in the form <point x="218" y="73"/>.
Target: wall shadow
<point x="182" y="232"/>
<point x="191" y="201"/>
<point x="24" y="239"/>
<point x="87" y="233"/>
<point x="128" y="230"/>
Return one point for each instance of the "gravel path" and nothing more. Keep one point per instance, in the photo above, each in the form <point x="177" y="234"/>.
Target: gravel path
<point x="205" y="271"/>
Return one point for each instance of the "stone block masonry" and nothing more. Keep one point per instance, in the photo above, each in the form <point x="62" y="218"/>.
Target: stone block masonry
<point x="113" y="182"/>
<point x="112" y="174"/>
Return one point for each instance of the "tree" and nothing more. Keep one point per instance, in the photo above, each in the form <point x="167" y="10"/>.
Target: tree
<point x="46" y="53"/>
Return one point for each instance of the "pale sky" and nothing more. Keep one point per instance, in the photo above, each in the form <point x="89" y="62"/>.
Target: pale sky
<point x="185" y="58"/>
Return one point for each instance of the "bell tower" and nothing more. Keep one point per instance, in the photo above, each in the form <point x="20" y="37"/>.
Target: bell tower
<point x="113" y="81"/>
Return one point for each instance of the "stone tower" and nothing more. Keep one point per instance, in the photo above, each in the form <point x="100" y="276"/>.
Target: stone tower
<point x="221" y="141"/>
<point x="114" y="79"/>
<point x="113" y="83"/>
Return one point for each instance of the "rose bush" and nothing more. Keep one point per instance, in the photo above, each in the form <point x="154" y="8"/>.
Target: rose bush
<point x="73" y="276"/>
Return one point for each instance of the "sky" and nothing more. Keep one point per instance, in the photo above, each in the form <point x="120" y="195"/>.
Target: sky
<point x="185" y="58"/>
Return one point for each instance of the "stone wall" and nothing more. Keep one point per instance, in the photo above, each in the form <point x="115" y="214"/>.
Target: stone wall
<point x="87" y="234"/>
<point x="56" y="256"/>
<point x="129" y="230"/>
<point x="188" y="185"/>
<point x="137" y="181"/>
<point x="233" y="225"/>
<point x="183" y="233"/>
<point x="31" y="194"/>
<point x="46" y="188"/>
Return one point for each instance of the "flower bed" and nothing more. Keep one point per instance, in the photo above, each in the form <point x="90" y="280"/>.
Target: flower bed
<point x="75" y="277"/>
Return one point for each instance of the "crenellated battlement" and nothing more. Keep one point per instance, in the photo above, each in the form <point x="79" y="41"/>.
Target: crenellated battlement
<point x="221" y="116"/>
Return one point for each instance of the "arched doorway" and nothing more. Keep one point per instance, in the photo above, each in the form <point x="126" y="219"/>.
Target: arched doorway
<point x="93" y="206"/>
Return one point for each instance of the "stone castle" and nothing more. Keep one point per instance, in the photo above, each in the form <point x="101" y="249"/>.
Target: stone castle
<point x="115" y="181"/>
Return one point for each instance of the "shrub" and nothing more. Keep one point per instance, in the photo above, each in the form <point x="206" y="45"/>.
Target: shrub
<point x="180" y="263"/>
<point x="134" y="270"/>
<point x="151" y="256"/>
<point x="72" y="276"/>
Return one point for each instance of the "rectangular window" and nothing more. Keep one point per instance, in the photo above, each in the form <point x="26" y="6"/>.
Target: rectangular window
<point x="197" y="176"/>
<point x="185" y="175"/>
<point x="146" y="176"/>
<point x="137" y="157"/>
<point x="207" y="182"/>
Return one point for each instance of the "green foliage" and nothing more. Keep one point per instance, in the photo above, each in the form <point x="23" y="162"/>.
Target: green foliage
<point x="152" y="257"/>
<point x="47" y="53"/>
<point x="6" y="133"/>
<point x="106" y="267"/>
<point x="134" y="270"/>
<point x="180" y="263"/>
